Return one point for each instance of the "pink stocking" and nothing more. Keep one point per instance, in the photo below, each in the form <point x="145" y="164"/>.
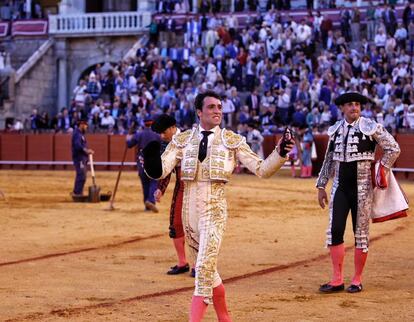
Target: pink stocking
<point x="303" y="171"/>
<point x="219" y="301"/>
<point x="198" y="309"/>
<point x="337" y="257"/>
<point x="359" y="261"/>
<point x="293" y="170"/>
<point x="180" y="250"/>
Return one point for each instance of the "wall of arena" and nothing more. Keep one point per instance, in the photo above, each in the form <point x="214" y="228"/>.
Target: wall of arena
<point x="53" y="151"/>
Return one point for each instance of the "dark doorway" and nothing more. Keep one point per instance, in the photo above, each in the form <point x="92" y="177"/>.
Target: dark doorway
<point x="94" y="6"/>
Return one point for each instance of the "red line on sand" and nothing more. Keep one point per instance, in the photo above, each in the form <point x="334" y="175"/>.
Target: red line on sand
<point x="77" y="251"/>
<point x="76" y="310"/>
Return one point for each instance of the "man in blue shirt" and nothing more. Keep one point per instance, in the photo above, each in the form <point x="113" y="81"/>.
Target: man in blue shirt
<point x="140" y="139"/>
<point x="80" y="153"/>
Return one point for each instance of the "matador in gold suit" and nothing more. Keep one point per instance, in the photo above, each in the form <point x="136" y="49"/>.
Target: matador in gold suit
<point x="205" y="171"/>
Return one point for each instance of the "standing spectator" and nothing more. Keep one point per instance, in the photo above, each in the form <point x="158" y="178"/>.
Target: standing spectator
<point x="64" y="122"/>
<point x="411" y="36"/>
<point x="345" y="23"/>
<point x="228" y="112"/>
<point x="79" y="93"/>
<point x="401" y="36"/>
<point x="306" y="156"/>
<point x="355" y="25"/>
<point x="370" y="21"/>
<point x="35" y="121"/>
<point x="254" y="139"/>
<point x="93" y="87"/>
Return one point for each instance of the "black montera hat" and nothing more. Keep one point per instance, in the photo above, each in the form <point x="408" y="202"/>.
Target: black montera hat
<point x="163" y="122"/>
<point x="350" y="97"/>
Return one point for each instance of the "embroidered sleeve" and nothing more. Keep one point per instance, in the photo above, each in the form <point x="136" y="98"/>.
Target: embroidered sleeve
<point x="327" y="168"/>
<point x="388" y="144"/>
<point x="261" y="168"/>
<point x="163" y="183"/>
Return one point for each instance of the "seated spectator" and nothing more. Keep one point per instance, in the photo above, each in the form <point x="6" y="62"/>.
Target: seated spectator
<point x="107" y="121"/>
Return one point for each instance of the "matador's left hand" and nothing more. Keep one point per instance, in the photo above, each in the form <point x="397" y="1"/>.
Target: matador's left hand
<point x="287" y="148"/>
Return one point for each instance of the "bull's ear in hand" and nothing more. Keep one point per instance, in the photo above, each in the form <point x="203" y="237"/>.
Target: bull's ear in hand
<point x="152" y="159"/>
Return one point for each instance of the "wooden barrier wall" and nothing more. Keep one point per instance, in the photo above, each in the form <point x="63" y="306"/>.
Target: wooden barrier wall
<point x="110" y="148"/>
<point x="57" y="147"/>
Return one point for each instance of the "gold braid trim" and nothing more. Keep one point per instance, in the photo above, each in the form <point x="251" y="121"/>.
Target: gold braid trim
<point x="231" y="140"/>
<point x="183" y="138"/>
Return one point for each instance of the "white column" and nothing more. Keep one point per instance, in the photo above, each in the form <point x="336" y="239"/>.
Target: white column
<point x="28" y="5"/>
<point x="195" y="6"/>
<point x="72" y="6"/>
<point x="62" y="84"/>
<point x="62" y="99"/>
<point x="143" y="5"/>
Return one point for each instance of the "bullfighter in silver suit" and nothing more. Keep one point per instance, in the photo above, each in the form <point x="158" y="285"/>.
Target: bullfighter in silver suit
<point x="348" y="159"/>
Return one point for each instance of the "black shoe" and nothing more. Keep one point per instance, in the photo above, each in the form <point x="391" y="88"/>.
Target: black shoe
<point x="192" y="274"/>
<point x="178" y="269"/>
<point x="328" y="288"/>
<point x="150" y="206"/>
<point x="354" y="288"/>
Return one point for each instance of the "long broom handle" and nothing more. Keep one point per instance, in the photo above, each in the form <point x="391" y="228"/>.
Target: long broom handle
<point x="119" y="176"/>
<point x="92" y="169"/>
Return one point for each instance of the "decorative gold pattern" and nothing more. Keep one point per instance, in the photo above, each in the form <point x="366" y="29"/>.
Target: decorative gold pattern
<point x="182" y="138"/>
<point x="232" y="140"/>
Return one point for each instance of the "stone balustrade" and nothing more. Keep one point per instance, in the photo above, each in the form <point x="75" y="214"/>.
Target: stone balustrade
<point x="98" y="23"/>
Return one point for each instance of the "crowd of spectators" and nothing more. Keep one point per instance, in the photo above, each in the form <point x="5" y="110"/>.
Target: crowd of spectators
<point x="273" y="73"/>
<point x="18" y="9"/>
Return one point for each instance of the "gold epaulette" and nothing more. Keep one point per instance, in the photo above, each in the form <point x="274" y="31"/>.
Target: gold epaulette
<point x="181" y="139"/>
<point x="231" y="140"/>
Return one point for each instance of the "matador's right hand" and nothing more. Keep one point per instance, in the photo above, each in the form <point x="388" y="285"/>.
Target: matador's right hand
<point x="322" y="197"/>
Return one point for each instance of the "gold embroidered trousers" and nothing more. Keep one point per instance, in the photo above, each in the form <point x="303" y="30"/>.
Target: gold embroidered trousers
<point x="204" y="220"/>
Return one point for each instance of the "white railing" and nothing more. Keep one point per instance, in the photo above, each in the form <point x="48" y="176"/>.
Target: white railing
<point x="92" y="23"/>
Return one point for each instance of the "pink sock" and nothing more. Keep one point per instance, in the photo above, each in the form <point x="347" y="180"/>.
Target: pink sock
<point x="337" y="257"/>
<point x="310" y="171"/>
<point x="198" y="308"/>
<point x="180" y="250"/>
<point x="293" y="171"/>
<point x="303" y="171"/>
<point x="359" y="261"/>
<point x="219" y="301"/>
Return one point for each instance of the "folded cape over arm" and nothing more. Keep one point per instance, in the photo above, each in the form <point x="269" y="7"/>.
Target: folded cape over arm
<point x="152" y="159"/>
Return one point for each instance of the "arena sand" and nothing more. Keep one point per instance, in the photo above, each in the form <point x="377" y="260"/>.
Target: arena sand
<point x="65" y="261"/>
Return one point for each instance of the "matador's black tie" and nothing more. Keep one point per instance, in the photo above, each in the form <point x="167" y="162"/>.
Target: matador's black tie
<point x="202" y="152"/>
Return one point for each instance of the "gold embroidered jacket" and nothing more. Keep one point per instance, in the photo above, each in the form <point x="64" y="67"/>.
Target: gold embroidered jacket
<point x="227" y="147"/>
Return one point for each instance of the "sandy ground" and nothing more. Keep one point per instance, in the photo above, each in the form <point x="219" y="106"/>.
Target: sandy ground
<point x="65" y="261"/>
